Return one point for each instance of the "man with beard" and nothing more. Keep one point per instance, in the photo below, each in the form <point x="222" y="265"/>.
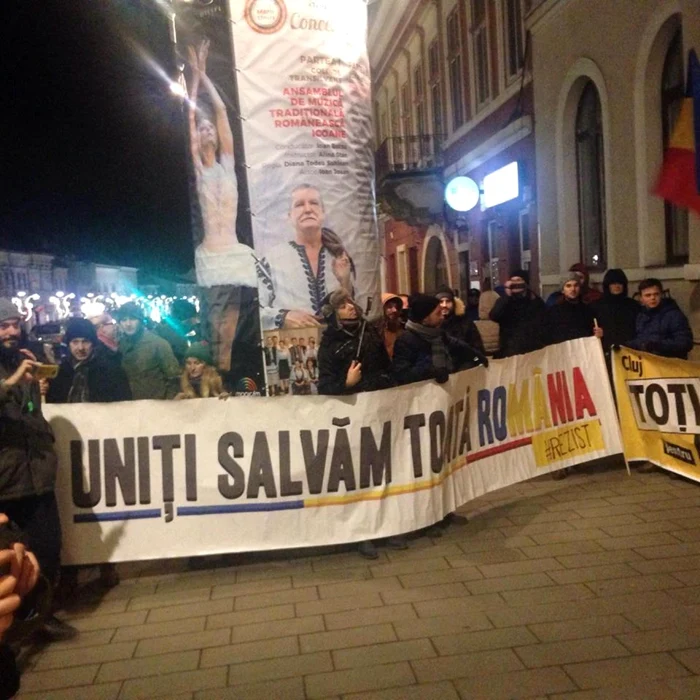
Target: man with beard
<point x="147" y="359"/>
<point x="88" y="374"/>
<point x="455" y="321"/>
<point x="390" y="325"/>
<point x="27" y="459"/>
<point x="521" y="317"/>
<point x="351" y="361"/>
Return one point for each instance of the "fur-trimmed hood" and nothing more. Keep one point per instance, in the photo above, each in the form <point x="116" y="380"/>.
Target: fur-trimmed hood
<point x="460" y="307"/>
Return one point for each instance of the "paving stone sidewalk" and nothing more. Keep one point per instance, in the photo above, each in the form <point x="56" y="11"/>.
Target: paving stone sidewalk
<point x="583" y="588"/>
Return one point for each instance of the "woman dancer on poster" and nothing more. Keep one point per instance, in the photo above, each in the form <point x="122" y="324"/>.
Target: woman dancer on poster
<point x="220" y="260"/>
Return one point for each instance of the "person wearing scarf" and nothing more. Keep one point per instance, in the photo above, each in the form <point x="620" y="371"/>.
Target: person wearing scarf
<point x="425" y="351"/>
<point x="352" y="358"/>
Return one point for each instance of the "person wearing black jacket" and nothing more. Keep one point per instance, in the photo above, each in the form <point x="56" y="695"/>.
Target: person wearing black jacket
<point x="425" y="351"/>
<point x="352" y="358"/>
<point x="455" y="321"/>
<point x="520" y="315"/>
<point x="344" y="367"/>
<point x="91" y="373"/>
<point x="570" y="318"/>
<point x="28" y="462"/>
<point x="616" y="313"/>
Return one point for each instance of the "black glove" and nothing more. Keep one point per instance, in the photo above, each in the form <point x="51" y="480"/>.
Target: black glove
<point x="441" y="375"/>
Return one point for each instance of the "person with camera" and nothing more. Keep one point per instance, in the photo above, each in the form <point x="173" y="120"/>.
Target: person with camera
<point x="28" y="462"/>
<point x="520" y="315"/>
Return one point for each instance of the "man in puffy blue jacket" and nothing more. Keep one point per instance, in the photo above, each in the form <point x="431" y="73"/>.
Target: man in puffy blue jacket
<point x="662" y="328"/>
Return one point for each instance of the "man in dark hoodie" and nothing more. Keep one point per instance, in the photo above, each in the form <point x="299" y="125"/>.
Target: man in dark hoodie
<point x="520" y="315"/>
<point x="455" y="321"/>
<point x="662" y="328"/>
<point x="616" y="313"/>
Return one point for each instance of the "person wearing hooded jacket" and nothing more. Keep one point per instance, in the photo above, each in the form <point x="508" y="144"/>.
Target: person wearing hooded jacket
<point x="488" y="329"/>
<point x="662" y="328"/>
<point x="390" y="326"/>
<point x="520" y="315"/>
<point x="351" y="359"/>
<point x="616" y="313"/>
<point x="455" y="321"/>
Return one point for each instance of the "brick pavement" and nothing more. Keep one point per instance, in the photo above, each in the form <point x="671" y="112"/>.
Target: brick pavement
<point x="583" y="588"/>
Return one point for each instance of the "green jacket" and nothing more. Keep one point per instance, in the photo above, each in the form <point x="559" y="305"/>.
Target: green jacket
<point x="150" y="365"/>
<point x="27" y="459"/>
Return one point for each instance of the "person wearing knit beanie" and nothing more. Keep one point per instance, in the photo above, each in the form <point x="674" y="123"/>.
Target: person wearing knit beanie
<point x="421" y="307"/>
<point x="200" y="379"/>
<point x="8" y="310"/>
<point x="80" y="328"/>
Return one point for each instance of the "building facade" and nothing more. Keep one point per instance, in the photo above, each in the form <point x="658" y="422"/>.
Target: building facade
<point x="452" y="96"/>
<point x="605" y="104"/>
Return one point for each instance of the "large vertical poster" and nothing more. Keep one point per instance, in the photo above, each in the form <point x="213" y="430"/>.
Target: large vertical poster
<point x="281" y="129"/>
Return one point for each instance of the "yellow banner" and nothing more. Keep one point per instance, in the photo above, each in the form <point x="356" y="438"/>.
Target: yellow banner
<point x="658" y="402"/>
<point x="567" y="442"/>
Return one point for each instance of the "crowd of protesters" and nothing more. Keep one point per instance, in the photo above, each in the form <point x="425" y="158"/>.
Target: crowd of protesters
<point x="423" y="338"/>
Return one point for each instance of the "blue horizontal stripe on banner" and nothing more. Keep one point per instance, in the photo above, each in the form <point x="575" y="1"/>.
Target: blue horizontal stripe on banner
<point x="243" y="508"/>
<point x="118" y="515"/>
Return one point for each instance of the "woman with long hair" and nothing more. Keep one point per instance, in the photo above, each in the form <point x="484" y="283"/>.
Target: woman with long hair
<point x="199" y="379"/>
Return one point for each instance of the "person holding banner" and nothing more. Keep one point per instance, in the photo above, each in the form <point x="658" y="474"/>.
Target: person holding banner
<point x="297" y="275"/>
<point x="455" y="321"/>
<point x="616" y="312"/>
<point x="569" y="318"/>
<point x="425" y="351"/>
<point x="390" y="326"/>
<point x="351" y="359"/>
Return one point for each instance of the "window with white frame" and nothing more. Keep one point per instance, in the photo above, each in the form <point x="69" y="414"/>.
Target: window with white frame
<point x="435" y="91"/>
<point x="590" y="174"/>
<point x="480" y="39"/>
<point x="419" y="98"/>
<point x="455" y="67"/>
<point x="514" y="37"/>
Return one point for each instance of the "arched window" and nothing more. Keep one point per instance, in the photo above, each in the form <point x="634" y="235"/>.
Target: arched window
<point x="672" y="94"/>
<point x="590" y="176"/>
<point x="436" y="274"/>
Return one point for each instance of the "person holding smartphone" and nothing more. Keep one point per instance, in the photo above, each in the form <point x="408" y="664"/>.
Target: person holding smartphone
<point x="27" y="459"/>
<point x="520" y="315"/>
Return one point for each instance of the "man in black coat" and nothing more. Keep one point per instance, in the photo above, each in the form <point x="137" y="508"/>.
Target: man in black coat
<point x="425" y="351"/>
<point x="520" y="315"/>
<point x="28" y="462"/>
<point x="89" y="374"/>
<point x="352" y="358"/>
<point x="569" y="318"/>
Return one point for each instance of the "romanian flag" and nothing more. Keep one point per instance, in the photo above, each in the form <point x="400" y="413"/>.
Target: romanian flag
<point x="679" y="182"/>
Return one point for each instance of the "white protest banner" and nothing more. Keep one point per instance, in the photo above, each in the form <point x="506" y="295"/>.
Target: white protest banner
<point x="165" y="479"/>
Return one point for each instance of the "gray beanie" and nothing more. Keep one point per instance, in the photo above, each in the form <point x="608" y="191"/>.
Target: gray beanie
<point x="570" y="277"/>
<point x="8" y="310"/>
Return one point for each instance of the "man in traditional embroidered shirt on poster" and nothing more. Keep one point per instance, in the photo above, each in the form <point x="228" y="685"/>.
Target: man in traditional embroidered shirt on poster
<point x="296" y="275"/>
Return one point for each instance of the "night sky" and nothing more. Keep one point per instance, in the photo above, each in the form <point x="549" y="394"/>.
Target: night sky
<point x="93" y="150"/>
